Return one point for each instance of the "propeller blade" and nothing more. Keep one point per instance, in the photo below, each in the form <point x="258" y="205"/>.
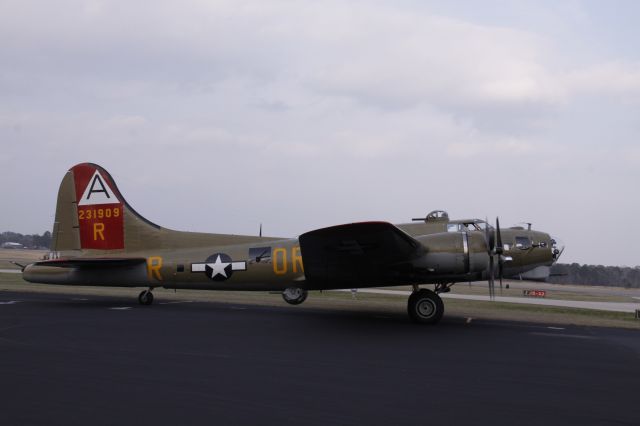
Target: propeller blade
<point x="492" y="283"/>
<point x="499" y="247"/>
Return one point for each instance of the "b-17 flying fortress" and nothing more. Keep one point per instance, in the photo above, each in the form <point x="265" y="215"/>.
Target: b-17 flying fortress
<point x="100" y="240"/>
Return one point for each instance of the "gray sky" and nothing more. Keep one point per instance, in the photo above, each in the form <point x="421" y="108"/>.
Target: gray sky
<point x="218" y="115"/>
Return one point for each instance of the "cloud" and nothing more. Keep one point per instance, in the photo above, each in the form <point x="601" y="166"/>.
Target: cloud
<point x="126" y="122"/>
<point x="377" y="52"/>
<point x="502" y="148"/>
<point x="309" y="113"/>
<point x="417" y="59"/>
<point x="608" y="79"/>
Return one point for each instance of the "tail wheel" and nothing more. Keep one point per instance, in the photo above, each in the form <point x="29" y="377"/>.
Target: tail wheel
<point x="294" y="295"/>
<point x="146" y="297"/>
<point x="425" y="307"/>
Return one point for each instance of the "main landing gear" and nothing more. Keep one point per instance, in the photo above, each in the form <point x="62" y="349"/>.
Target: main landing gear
<point x="425" y="306"/>
<point x="146" y="297"/>
<point x="294" y="295"/>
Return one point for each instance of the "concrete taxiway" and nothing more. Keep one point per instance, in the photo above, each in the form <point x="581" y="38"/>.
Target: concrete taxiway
<point x="103" y="360"/>
<point x="599" y="306"/>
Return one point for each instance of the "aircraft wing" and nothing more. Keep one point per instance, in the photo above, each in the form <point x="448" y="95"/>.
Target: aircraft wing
<point x="370" y="253"/>
<point x="90" y="263"/>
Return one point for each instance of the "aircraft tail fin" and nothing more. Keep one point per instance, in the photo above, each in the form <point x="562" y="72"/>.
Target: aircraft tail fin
<point x="91" y="214"/>
<point x="92" y="217"/>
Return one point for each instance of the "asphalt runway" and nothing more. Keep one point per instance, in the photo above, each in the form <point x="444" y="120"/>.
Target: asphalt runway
<point x="105" y="360"/>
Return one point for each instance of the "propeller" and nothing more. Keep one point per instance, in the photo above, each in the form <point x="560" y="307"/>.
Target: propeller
<point x="493" y="241"/>
<point x="499" y="249"/>
<point x="490" y="243"/>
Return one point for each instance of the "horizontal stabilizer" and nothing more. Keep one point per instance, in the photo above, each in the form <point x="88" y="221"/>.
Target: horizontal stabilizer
<point x="92" y="262"/>
<point x="358" y="254"/>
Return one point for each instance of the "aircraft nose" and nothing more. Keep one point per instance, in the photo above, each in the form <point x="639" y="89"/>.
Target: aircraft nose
<point x="557" y="247"/>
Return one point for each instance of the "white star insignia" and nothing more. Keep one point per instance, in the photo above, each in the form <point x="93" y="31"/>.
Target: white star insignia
<point x="218" y="267"/>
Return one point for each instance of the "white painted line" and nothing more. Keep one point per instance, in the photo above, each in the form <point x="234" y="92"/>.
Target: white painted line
<point x="568" y="336"/>
<point x="10" y="271"/>
<point x="122" y="308"/>
<point x="469" y="320"/>
<point x="599" y="306"/>
<point x="379" y="291"/>
<point x="556" y="328"/>
<point x="10" y="302"/>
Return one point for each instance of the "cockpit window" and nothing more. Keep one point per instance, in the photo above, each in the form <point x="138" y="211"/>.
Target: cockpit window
<point x="466" y="226"/>
<point x="523" y="243"/>
<point x="482" y="225"/>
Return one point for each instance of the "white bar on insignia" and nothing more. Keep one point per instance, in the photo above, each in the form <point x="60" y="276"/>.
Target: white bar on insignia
<point x="198" y="267"/>
<point x="239" y="266"/>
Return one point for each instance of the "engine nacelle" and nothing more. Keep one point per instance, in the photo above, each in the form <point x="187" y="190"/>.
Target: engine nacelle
<point x="453" y="253"/>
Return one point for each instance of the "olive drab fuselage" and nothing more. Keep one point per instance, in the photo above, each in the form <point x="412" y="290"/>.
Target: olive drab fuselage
<point x="275" y="264"/>
<point x="99" y="239"/>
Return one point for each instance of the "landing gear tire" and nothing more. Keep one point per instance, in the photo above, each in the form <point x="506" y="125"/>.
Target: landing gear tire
<point x="425" y="307"/>
<point x="294" y="295"/>
<point x="146" y="297"/>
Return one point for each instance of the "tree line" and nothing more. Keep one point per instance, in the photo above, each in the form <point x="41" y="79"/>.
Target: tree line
<point x="32" y="241"/>
<point x="616" y="276"/>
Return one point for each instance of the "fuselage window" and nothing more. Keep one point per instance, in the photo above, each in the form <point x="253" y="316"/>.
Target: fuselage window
<point x="260" y="255"/>
<point x="452" y="227"/>
<point x="523" y="243"/>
